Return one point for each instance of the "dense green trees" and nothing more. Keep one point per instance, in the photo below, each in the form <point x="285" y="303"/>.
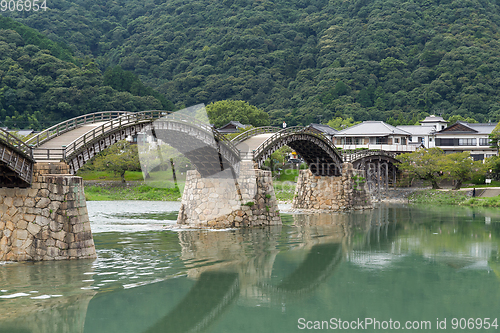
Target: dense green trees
<point x="433" y="165"/>
<point x="222" y="112"/>
<point x="38" y="89"/>
<point x="300" y="61"/>
<point x="460" y="167"/>
<point x="340" y="123"/>
<point x="122" y="80"/>
<point x="423" y="164"/>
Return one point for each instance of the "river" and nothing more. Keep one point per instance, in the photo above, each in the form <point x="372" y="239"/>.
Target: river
<point x="408" y="267"/>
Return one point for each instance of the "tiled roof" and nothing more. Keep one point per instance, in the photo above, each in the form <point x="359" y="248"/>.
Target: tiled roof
<point x="324" y="128"/>
<point x="433" y="119"/>
<point x="371" y="128"/>
<point x="417" y="129"/>
<point x="231" y="127"/>
<point x="468" y="128"/>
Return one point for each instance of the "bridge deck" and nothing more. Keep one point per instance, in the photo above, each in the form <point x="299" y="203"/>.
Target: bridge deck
<point x="68" y="137"/>
<point x="252" y="143"/>
<point x="40" y="153"/>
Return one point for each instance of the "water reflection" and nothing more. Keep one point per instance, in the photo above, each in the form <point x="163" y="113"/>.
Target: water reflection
<point x="45" y="296"/>
<point x="205" y="302"/>
<point x="255" y="267"/>
<point x="390" y="261"/>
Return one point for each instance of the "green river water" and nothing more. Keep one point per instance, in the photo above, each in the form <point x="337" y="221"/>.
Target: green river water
<point x="428" y="269"/>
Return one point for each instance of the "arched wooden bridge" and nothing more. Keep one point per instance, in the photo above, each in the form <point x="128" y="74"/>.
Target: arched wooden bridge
<point x="317" y="150"/>
<point x="380" y="167"/>
<point x="77" y="140"/>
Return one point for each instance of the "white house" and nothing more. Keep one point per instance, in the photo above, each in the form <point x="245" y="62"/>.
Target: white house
<point x="420" y="135"/>
<point x="424" y="133"/>
<point x="462" y="136"/>
<point x="375" y="135"/>
<point x="438" y="123"/>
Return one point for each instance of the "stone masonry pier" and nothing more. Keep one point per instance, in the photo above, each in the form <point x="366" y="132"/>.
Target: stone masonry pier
<point x="324" y="193"/>
<point x="48" y="221"/>
<point x="226" y="202"/>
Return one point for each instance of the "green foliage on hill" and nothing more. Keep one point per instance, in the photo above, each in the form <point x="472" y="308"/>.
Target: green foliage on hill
<point x="31" y="36"/>
<point x="38" y="89"/>
<point x="299" y="60"/>
<point x="122" y="80"/>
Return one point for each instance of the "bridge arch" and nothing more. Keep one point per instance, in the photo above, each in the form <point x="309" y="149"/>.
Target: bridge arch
<point x="320" y="263"/>
<point x="317" y="150"/>
<point x="380" y="167"/>
<point x="72" y="124"/>
<point x="254" y="132"/>
<point x="77" y="140"/>
<point x="209" y="151"/>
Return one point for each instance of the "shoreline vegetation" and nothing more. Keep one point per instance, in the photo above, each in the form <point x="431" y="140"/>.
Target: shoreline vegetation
<point x="105" y="186"/>
<point x="452" y="198"/>
<point x="129" y="191"/>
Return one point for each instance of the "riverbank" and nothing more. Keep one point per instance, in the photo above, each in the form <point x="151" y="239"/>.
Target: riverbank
<point x="461" y="197"/>
<point x="138" y="190"/>
<point x="116" y="190"/>
<point x="109" y="190"/>
<point x="104" y="190"/>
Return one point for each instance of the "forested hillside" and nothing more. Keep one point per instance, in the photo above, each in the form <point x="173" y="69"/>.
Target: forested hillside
<point x="299" y="60"/>
<point x="40" y="84"/>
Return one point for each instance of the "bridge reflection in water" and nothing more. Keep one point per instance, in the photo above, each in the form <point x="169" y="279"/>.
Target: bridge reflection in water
<point x="267" y="267"/>
<point x="263" y="280"/>
<point x="247" y="267"/>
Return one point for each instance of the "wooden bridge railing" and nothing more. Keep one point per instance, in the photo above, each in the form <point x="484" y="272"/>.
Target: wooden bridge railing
<point x="188" y="120"/>
<point x="253" y="132"/>
<point x="17" y="156"/>
<point x="15" y="143"/>
<point x="351" y="156"/>
<point x="72" y="124"/>
<point x="122" y="121"/>
<point x="290" y="131"/>
<point x="115" y="122"/>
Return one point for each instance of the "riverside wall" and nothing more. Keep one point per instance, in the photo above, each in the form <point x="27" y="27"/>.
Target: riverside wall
<point x="48" y="221"/>
<point x="325" y="193"/>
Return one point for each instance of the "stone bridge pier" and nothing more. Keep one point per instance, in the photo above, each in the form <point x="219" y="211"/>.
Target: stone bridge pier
<point x="47" y="221"/>
<point x="326" y="193"/>
<point x="229" y="201"/>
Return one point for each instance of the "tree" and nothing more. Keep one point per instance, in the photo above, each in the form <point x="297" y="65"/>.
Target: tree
<point x="423" y="164"/>
<point x="495" y="137"/>
<point x="493" y="165"/>
<point x="119" y="158"/>
<point x="222" y="112"/>
<point x="455" y="118"/>
<point x="339" y="123"/>
<point x="460" y="167"/>
<point x="122" y="80"/>
<point x="277" y="159"/>
<point x="156" y="158"/>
